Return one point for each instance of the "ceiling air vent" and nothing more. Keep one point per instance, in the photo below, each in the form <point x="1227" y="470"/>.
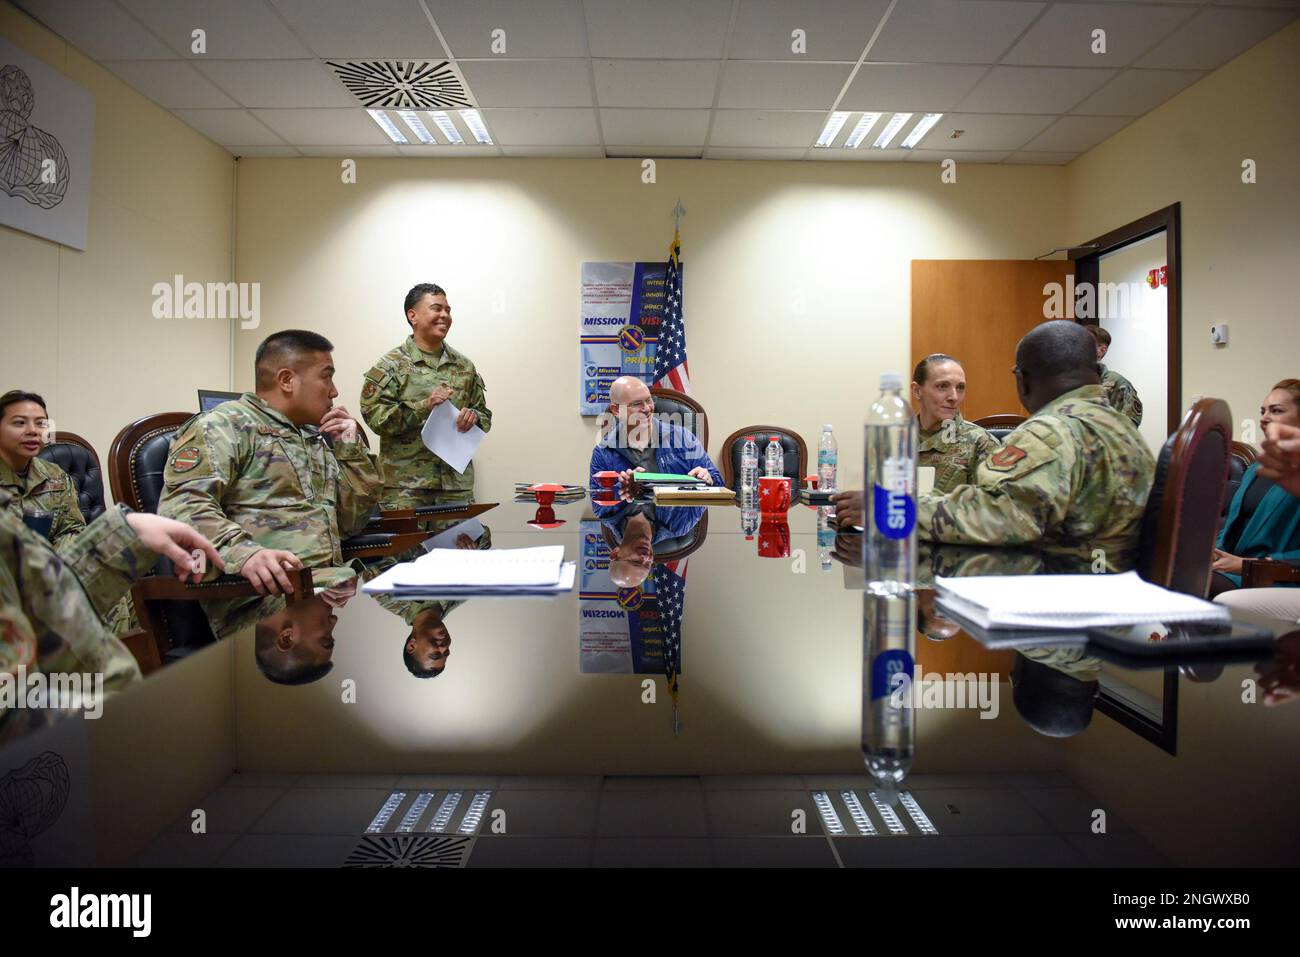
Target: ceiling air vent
<point x="403" y="84"/>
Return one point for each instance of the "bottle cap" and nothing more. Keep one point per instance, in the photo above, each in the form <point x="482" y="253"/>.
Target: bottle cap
<point x="774" y="438"/>
<point x="826" y="427"/>
<point x="891" y="380"/>
<point x="749" y="438"/>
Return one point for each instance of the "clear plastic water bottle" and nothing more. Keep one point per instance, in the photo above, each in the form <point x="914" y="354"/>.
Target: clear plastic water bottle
<point x="749" y="522"/>
<point x="888" y="722"/>
<point x="749" y="473"/>
<point x="775" y="457"/>
<point x="825" y="537"/>
<point x="889" y="468"/>
<point x="828" y="457"/>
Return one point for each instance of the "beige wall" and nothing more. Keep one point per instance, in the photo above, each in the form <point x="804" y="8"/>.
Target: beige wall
<point x="78" y="326"/>
<point x="1239" y="242"/>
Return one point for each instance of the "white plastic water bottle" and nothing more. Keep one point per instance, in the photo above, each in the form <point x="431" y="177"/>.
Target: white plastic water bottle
<point x="825" y="537"/>
<point x="749" y="473"/>
<point x="775" y="457"/>
<point x="889" y="467"/>
<point x="828" y="457"/>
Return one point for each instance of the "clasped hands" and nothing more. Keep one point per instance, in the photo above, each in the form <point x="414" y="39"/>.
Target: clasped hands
<point x="466" y="418"/>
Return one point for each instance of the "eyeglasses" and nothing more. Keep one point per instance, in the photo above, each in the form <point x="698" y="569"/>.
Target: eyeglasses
<point x="641" y="404"/>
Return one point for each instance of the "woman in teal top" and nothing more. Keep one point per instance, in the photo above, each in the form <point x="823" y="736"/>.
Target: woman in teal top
<point x="1263" y="519"/>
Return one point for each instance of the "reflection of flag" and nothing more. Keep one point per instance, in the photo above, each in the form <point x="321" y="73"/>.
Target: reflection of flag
<point x="670" y="596"/>
<point x="670" y="352"/>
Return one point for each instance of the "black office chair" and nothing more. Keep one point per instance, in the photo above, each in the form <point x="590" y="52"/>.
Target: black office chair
<point x="670" y="549"/>
<point x="680" y="409"/>
<point x="1242" y="457"/>
<point x="793" y="447"/>
<point x="77" y="458"/>
<point x="1001" y="425"/>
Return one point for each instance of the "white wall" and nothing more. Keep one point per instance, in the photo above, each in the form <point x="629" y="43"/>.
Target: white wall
<point x="1140" y="330"/>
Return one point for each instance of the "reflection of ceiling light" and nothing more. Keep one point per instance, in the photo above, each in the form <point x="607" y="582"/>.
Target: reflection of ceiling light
<point x="388" y="126"/>
<point x="887" y="814"/>
<point x="475" y="124"/>
<point x="411" y="119"/>
<point x="860" y="131"/>
<point x="830" y="820"/>
<point x="832" y="128"/>
<point x="891" y="130"/>
<point x="444" y="123"/>
<point x="919" y="131"/>
<point x="918" y="816"/>
<point x="858" y="813"/>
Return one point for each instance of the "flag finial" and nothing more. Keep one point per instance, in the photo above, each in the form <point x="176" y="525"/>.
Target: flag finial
<point x="677" y="213"/>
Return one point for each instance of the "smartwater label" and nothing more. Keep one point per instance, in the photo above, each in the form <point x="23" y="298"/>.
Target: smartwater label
<point x="884" y="667"/>
<point x="895" y="512"/>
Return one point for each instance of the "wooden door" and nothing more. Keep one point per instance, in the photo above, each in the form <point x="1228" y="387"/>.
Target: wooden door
<point x="976" y="310"/>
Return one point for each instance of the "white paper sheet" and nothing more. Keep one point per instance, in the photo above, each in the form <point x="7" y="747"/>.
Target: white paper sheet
<point x="441" y="437"/>
<point x="447" y="539"/>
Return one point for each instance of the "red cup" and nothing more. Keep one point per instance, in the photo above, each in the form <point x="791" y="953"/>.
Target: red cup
<point x="606" y="479"/>
<point x="773" y="495"/>
<point x="774" y="539"/>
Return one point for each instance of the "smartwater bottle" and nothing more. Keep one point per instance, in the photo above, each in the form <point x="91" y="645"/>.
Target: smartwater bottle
<point x="889" y="604"/>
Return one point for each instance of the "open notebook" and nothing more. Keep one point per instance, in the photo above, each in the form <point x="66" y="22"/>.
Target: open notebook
<point x="499" y="571"/>
<point x="1068" y="601"/>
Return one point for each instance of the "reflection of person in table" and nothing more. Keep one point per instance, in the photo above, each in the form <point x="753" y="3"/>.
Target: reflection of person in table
<point x="294" y="644"/>
<point x="1053" y="689"/>
<point x="639" y="528"/>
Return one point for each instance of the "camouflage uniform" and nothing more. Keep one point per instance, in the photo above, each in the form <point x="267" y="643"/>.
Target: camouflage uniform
<point x="45" y="488"/>
<point x="954" y="461"/>
<point x="395" y="403"/>
<point x="1073" y="478"/>
<point x="1120" y="394"/>
<point x="51" y="603"/>
<point x="248" y="478"/>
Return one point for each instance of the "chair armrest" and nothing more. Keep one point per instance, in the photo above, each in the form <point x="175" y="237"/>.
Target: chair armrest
<point x="166" y="588"/>
<point x="381" y="544"/>
<point x="1264" y="572"/>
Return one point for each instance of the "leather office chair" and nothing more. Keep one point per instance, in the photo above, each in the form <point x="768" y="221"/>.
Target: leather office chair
<point x="670" y="549"/>
<point x="1179" y="525"/>
<point x="77" y="457"/>
<point x="683" y="411"/>
<point x="1001" y="425"/>
<point x="792" y="444"/>
<point x="1241" y="458"/>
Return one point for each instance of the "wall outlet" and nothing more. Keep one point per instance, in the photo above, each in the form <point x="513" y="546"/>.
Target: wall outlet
<point x="1219" y="334"/>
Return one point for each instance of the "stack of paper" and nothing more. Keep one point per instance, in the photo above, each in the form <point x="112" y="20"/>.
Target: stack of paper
<point x="693" y="495"/>
<point x="455" y="572"/>
<point x="1068" y="601"/>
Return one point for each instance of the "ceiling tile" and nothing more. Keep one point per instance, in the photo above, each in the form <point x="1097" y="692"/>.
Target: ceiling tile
<point x="986" y="131"/>
<point x="323" y="127"/>
<point x="960" y="156"/>
<point x="680" y="84"/>
<point x="753" y="85"/>
<point x="1026" y="158"/>
<point x="863" y="154"/>
<point x="1214" y="36"/>
<point x="252" y="152"/>
<point x="378" y="152"/>
<point x="765" y="128"/>
<point x="542" y="127"/>
<point x="1025" y="89"/>
<point x="529" y="82"/>
<point x="658" y="152"/>
<point x="234" y="29"/>
<point x="441" y="151"/>
<point x="103" y="31"/>
<point x="229" y="127"/>
<point x="173" y="84"/>
<point x="655" y="127"/>
<point x="952" y="31"/>
<point x="278" y="83"/>
<point x="1135" y="92"/>
<point x="684" y="29"/>
<point x="1077" y="133"/>
<point x="753" y="153"/>
<point x="910" y="86"/>
<point x="375" y="29"/>
<point x="1063" y="36"/>
<point x="833" y="29"/>
<point x="533" y="28"/>
<point x="583" y="152"/>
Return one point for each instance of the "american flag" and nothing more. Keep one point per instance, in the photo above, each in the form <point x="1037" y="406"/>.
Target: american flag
<point x="670" y="595"/>
<point x="671" y="370"/>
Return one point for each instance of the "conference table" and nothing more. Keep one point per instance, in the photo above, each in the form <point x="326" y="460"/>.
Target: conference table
<point x="715" y="722"/>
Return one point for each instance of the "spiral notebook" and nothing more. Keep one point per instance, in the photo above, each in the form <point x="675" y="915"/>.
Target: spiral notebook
<point x="1068" y="601"/>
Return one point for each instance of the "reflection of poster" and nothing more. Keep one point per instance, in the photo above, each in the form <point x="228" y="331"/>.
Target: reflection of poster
<point x="47" y="123"/>
<point x="622" y="308"/>
<point x="618" y="628"/>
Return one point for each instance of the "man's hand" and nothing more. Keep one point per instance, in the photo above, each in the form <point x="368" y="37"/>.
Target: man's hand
<point x="1225" y="563"/>
<point x="339" y="425"/>
<point x="848" y="508"/>
<point x="701" y="473"/>
<point x="1279" y="457"/>
<point x="466" y="419"/>
<point x="339" y="595"/>
<point x="627" y="488"/>
<point x="464" y="541"/>
<point x="175" y="540"/>
<point x="265" y="570"/>
<point x="439" y="395"/>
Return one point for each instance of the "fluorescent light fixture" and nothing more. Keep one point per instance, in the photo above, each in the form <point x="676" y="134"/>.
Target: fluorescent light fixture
<point x="887" y="813"/>
<point x="475" y="124"/>
<point x="412" y="816"/>
<point x="444" y="123"/>
<point x="919" y="131"/>
<point x="830" y="820"/>
<point x="860" y="131"/>
<point x="412" y="119"/>
<point x="859" y="814"/>
<point x="832" y="128"/>
<point x="918" y="816"/>
<point x="389" y="807"/>
<point x="891" y="130"/>
<point x="474" y="816"/>
<point x="388" y="126"/>
<point x="442" y="817"/>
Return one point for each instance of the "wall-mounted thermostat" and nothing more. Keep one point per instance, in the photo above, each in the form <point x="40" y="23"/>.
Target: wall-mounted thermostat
<point x="1219" y="334"/>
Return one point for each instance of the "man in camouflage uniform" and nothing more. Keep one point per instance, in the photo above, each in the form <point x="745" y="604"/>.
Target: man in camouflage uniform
<point x="1119" y="391"/>
<point x="1072" y="480"/>
<point x="34" y="485"/>
<point x="51" y="602"/>
<point x="402" y="389"/>
<point x="258" y="477"/>
<point x="947" y="443"/>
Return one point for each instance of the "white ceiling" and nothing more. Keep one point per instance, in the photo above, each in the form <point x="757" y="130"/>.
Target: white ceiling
<point x="711" y="78"/>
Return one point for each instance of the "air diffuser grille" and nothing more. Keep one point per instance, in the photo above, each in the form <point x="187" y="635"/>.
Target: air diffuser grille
<point x="403" y="84"/>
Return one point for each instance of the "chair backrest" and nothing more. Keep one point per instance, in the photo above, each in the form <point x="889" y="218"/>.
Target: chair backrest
<point x="1181" y="519"/>
<point x="1241" y="458"/>
<point x="670" y="549"/>
<point x="1001" y="425"/>
<point x="77" y="457"/>
<point x="138" y="457"/>
<point x="684" y="411"/>
<point x="792" y="444"/>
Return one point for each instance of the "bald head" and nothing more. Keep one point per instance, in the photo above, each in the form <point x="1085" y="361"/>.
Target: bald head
<point x="1053" y="359"/>
<point x="627" y="388"/>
